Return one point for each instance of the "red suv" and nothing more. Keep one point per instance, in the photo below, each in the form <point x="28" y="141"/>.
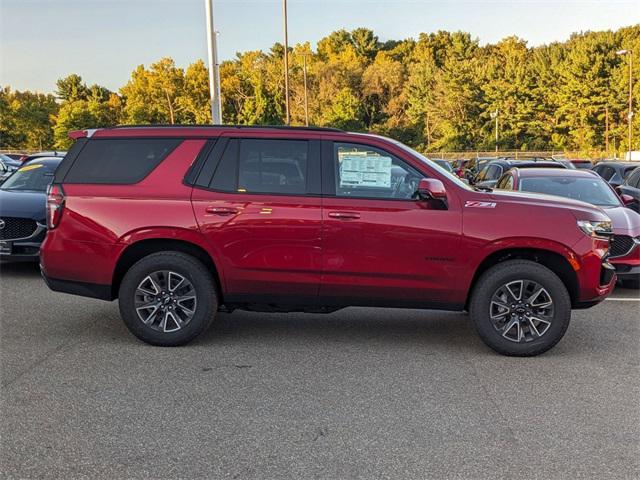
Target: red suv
<point x="180" y="222"/>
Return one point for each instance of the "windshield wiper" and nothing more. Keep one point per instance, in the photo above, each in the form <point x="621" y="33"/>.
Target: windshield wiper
<point x="482" y="188"/>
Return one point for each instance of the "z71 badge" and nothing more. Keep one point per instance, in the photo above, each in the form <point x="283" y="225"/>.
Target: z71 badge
<point x="471" y="204"/>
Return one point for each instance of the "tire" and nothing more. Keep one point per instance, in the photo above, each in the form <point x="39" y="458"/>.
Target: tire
<point x="194" y="290"/>
<point x="548" y="323"/>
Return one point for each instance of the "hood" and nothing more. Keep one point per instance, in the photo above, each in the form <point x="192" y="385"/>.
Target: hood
<point x="581" y="210"/>
<point x="625" y="221"/>
<point x="24" y="204"/>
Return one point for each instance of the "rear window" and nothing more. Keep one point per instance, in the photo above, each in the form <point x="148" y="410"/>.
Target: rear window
<point x="119" y="161"/>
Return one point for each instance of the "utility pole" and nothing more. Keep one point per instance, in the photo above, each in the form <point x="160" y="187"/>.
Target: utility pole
<point x="629" y="53"/>
<point x="214" y="68"/>
<point x="494" y="115"/>
<point x="286" y="62"/>
<point x="306" y="97"/>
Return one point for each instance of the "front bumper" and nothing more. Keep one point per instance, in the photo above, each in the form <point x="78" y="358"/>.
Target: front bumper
<point x="26" y="249"/>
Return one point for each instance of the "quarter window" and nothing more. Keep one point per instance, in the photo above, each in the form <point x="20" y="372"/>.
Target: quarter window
<point x="119" y="161"/>
<point x="367" y="172"/>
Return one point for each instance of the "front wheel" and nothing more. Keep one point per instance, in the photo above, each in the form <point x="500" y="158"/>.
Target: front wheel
<point x="520" y="308"/>
<point x="167" y="298"/>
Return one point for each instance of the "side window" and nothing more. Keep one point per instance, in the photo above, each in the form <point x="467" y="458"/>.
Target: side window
<point x="367" y="172"/>
<point x="482" y="175"/>
<point x="633" y="177"/>
<point x="273" y="166"/>
<point x="606" y="172"/>
<point x="493" y="172"/>
<point x="225" y="177"/>
<point x="119" y="161"/>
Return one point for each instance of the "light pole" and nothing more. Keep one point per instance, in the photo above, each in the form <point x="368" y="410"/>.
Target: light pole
<point x="214" y="68"/>
<point x="286" y="62"/>
<point x="494" y="115"/>
<point x="306" y="97"/>
<point x="630" y="114"/>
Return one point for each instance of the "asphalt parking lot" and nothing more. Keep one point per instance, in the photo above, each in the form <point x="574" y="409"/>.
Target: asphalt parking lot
<point x="360" y="393"/>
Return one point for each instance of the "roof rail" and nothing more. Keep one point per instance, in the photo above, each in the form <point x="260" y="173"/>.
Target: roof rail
<point x="278" y="127"/>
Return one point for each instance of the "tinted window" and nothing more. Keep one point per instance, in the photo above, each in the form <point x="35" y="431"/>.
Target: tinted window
<point x="605" y="172"/>
<point x="590" y="190"/>
<point x="273" y="166"/>
<point x="366" y="172"/>
<point x="493" y="172"/>
<point x="226" y="175"/>
<point x="634" y="178"/>
<point x="122" y="161"/>
<point x="627" y="172"/>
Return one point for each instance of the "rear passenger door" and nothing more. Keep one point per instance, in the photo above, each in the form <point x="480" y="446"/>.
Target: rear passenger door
<point x="257" y="201"/>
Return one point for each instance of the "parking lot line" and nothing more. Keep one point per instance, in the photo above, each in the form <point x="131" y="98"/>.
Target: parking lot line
<point x="623" y="299"/>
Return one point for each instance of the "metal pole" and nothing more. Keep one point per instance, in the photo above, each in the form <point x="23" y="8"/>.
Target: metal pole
<point x="606" y="130"/>
<point x="630" y="101"/>
<point x="214" y="68"/>
<point x="496" y="130"/>
<point x="286" y="62"/>
<point x="306" y="98"/>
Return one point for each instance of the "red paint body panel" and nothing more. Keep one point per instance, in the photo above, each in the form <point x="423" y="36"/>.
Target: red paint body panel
<point x="297" y="248"/>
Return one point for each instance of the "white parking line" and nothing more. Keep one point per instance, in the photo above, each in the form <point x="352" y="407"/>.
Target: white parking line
<point x="623" y="299"/>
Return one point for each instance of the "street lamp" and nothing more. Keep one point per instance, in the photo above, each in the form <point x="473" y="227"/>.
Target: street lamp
<point x="286" y="61"/>
<point x="630" y="114"/>
<point x="306" y="97"/>
<point x="214" y="67"/>
<point x="494" y="115"/>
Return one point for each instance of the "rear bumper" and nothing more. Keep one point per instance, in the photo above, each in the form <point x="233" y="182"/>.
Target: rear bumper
<point x="83" y="289"/>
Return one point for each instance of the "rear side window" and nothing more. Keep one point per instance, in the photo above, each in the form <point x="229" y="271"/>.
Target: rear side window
<point x="119" y="161"/>
<point x="263" y="166"/>
<point x="273" y="166"/>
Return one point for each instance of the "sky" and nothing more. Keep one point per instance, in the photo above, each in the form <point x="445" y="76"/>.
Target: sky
<point x="104" y="40"/>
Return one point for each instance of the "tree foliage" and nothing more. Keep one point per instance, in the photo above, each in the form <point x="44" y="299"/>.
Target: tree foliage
<point x="437" y="92"/>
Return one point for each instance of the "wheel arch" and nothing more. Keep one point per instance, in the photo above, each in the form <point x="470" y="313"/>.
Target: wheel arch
<point x="557" y="262"/>
<point x="143" y="247"/>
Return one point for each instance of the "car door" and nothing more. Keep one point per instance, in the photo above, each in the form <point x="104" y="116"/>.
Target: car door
<point x="380" y="244"/>
<point x="257" y="201"/>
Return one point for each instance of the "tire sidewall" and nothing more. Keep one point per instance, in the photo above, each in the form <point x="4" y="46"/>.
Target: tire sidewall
<point x="192" y="270"/>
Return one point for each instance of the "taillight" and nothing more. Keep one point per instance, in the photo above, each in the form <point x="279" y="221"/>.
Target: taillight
<point x="55" y="204"/>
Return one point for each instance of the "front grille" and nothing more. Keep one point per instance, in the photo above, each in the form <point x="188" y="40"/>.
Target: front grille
<point x="16" y="228"/>
<point x="620" y="245"/>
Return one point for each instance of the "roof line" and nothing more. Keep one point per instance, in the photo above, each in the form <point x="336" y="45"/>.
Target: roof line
<point x="277" y="127"/>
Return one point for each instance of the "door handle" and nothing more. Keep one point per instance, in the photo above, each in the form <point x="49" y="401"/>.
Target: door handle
<point x="222" y="210"/>
<point x="344" y="215"/>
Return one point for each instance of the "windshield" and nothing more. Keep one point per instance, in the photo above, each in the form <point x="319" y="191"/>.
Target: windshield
<point x="432" y="164"/>
<point x="444" y="164"/>
<point x="34" y="177"/>
<point x="591" y="190"/>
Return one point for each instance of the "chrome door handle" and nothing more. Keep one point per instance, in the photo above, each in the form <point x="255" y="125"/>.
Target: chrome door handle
<point x="222" y="210"/>
<point x="344" y="215"/>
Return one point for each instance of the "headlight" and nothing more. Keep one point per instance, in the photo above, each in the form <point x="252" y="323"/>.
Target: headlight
<point x="596" y="228"/>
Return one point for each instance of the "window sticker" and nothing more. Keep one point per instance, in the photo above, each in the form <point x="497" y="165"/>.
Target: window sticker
<point x="357" y="169"/>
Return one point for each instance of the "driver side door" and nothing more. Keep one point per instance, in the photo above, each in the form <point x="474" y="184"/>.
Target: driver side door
<point x="380" y="244"/>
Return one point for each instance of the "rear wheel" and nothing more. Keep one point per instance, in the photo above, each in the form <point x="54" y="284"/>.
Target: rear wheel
<point x="167" y="298"/>
<point x="520" y="308"/>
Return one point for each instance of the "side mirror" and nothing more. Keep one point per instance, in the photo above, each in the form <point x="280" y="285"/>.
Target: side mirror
<point x="627" y="199"/>
<point x="431" y="189"/>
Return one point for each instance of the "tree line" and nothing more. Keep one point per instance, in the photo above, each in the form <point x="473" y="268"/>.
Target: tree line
<point x="437" y="93"/>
